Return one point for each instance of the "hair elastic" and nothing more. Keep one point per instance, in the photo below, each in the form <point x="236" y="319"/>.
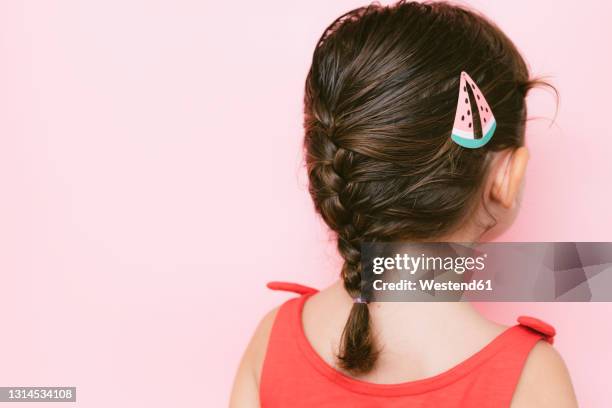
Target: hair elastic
<point x="360" y="300"/>
<point x="463" y="127"/>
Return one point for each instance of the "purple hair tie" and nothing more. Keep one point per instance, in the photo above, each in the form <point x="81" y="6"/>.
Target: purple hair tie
<point x="360" y="300"/>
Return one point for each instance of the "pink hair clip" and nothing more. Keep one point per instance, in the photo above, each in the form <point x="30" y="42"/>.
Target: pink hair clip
<point x="463" y="128"/>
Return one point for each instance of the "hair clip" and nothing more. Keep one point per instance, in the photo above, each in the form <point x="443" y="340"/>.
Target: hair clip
<point x="463" y="128"/>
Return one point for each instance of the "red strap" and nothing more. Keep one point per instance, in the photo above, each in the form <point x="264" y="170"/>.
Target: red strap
<point x="291" y="287"/>
<point x="543" y="328"/>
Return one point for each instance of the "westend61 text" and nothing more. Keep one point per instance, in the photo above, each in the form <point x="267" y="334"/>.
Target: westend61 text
<point x="432" y="285"/>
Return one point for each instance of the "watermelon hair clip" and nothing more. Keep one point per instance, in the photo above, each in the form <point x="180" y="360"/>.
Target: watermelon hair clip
<point x="463" y="128"/>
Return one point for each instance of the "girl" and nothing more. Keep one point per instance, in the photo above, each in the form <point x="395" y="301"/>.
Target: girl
<point x="392" y="155"/>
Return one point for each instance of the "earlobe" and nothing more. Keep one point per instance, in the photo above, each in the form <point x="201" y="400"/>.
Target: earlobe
<point x="517" y="168"/>
<point x="500" y="182"/>
<point x="509" y="177"/>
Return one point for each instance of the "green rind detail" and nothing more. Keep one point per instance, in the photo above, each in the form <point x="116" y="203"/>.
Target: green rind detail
<point x="474" y="143"/>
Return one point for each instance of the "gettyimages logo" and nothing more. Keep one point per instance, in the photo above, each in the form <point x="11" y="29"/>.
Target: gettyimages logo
<point x="415" y="264"/>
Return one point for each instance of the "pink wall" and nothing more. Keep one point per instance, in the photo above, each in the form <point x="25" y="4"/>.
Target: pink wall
<point x="151" y="184"/>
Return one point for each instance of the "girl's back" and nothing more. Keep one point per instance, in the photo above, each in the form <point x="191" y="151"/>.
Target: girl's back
<point x="467" y="361"/>
<point x="414" y="128"/>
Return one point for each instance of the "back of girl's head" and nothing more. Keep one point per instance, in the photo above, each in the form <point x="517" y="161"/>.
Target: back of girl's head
<point x="379" y="105"/>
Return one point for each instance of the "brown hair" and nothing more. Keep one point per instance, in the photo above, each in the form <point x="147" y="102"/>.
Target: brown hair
<point x="379" y="104"/>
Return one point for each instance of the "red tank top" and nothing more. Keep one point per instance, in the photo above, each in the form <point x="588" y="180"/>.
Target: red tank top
<point x="294" y="375"/>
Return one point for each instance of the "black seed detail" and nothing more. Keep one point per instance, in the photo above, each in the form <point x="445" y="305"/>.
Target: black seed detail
<point x="470" y="125"/>
<point x="481" y="108"/>
<point x="487" y="109"/>
<point x="462" y="118"/>
<point x="466" y="100"/>
<point x="468" y="113"/>
<point x="478" y="96"/>
<point x="473" y="86"/>
<point x="485" y="120"/>
<point x="464" y="88"/>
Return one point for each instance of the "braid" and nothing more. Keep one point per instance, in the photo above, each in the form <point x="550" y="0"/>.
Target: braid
<point x="330" y="166"/>
<point x="358" y="352"/>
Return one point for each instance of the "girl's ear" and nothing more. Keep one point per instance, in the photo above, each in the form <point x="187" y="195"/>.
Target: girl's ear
<point x="508" y="177"/>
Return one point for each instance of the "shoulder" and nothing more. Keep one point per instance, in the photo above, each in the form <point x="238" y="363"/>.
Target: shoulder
<point x="545" y="381"/>
<point x="245" y="392"/>
<point x="259" y="342"/>
<point x="256" y="350"/>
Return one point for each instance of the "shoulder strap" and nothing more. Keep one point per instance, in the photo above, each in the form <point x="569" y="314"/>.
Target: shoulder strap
<point x="499" y="375"/>
<point x="291" y="287"/>
<point x="284" y="361"/>
<point x="545" y="330"/>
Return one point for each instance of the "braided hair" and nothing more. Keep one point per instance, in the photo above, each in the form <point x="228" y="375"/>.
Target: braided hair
<point x="378" y="110"/>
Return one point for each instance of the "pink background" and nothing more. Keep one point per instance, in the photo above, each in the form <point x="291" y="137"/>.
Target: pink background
<point x="152" y="183"/>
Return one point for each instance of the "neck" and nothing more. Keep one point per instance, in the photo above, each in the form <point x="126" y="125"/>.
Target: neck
<point x="416" y="323"/>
